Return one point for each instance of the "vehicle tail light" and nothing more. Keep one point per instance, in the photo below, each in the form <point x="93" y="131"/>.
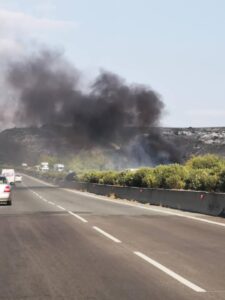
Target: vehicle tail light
<point x="7" y="189"/>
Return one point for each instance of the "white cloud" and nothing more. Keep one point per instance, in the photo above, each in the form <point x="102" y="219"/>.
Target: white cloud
<point x="14" y="23"/>
<point x="18" y="31"/>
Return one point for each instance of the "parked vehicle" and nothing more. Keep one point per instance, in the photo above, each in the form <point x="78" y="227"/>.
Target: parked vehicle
<point x="10" y="175"/>
<point x="59" y="167"/>
<point x="18" y="178"/>
<point x="5" y="191"/>
<point x="44" y="167"/>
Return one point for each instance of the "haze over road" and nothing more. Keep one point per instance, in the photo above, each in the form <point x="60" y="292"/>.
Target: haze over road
<point x="59" y="244"/>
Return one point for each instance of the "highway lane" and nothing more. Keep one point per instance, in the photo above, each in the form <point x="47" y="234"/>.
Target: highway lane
<point x="48" y="251"/>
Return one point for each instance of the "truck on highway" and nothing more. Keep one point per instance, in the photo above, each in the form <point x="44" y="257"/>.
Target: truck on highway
<point x="9" y="174"/>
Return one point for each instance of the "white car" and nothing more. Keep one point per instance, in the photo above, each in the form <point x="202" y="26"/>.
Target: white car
<point x="18" y="178"/>
<point x="5" y="191"/>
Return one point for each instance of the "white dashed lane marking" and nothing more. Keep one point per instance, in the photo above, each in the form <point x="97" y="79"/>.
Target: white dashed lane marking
<point x="59" y="206"/>
<point x="50" y="202"/>
<point x="109" y="236"/>
<point x="170" y="273"/>
<point x="77" y="216"/>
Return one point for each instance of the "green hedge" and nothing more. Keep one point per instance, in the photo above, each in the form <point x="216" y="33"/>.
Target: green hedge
<point x="200" y="173"/>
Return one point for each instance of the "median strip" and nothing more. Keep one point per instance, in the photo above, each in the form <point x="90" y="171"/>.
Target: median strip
<point x="170" y="273"/>
<point x="107" y="234"/>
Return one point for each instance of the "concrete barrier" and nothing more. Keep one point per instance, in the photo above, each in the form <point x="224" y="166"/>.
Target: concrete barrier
<point x="193" y="201"/>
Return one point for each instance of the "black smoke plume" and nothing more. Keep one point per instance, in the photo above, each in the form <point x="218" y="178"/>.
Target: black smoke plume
<point x="108" y="113"/>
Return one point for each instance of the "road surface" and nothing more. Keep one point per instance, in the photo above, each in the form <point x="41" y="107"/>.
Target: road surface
<point x="63" y="244"/>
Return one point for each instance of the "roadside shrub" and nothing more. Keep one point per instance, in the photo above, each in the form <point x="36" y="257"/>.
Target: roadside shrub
<point x="208" y="161"/>
<point x="108" y="178"/>
<point x="222" y="180"/>
<point x="122" y="177"/>
<point x="202" y="180"/>
<point x="92" y="177"/>
<point x="170" y="176"/>
<point x="175" y="182"/>
<point x="150" y="180"/>
<point x="136" y="178"/>
<point x="139" y="178"/>
<point x="128" y="178"/>
<point x="205" y="173"/>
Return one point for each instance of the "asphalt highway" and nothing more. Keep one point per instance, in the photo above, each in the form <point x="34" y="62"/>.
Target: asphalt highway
<point x="63" y="244"/>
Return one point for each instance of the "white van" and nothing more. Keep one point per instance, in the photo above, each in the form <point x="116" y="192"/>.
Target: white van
<point x="9" y="174"/>
<point x="44" y="167"/>
<point x="59" y="167"/>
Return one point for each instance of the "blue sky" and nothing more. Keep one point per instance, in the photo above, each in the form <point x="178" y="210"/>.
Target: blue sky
<point x="177" y="47"/>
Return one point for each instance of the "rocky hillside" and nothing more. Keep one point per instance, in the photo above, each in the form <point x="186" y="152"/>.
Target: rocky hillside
<point x="27" y="144"/>
<point x="197" y="141"/>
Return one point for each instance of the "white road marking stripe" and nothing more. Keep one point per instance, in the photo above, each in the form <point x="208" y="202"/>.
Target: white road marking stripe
<point x="206" y="221"/>
<point x="171" y="273"/>
<point x="59" y="206"/>
<point x="107" y="234"/>
<point x="50" y="202"/>
<point x="77" y="216"/>
<point x="40" y="197"/>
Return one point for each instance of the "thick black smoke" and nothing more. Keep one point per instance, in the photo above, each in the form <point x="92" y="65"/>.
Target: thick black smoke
<point x="112" y="112"/>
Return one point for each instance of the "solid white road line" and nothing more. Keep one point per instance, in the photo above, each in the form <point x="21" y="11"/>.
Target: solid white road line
<point x="50" y="202"/>
<point x="59" y="206"/>
<point x="107" y="234"/>
<point x="77" y="216"/>
<point x="205" y="221"/>
<point x="171" y="273"/>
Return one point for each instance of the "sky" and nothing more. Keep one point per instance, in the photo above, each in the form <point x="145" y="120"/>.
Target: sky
<point x="177" y="47"/>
